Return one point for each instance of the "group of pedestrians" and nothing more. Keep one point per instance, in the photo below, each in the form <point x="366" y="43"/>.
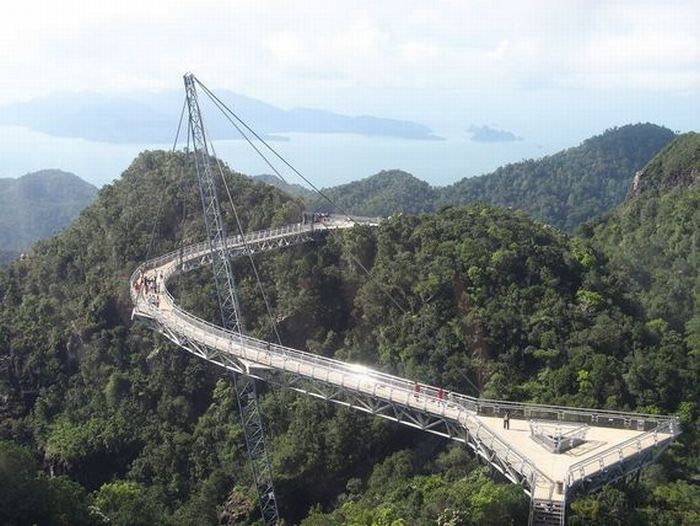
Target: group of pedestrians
<point x="150" y="285"/>
<point x="441" y="396"/>
<point x="440" y="393"/>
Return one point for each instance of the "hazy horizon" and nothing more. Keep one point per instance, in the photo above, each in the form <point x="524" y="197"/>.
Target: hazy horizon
<point x="537" y="77"/>
<point x="326" y="159"/>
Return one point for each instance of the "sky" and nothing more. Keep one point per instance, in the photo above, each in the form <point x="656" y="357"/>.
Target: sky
<point x="542" y="70"/>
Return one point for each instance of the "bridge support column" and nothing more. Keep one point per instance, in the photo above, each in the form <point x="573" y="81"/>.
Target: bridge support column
<point x="254" y="432"/>
<point x="545" y="512"/>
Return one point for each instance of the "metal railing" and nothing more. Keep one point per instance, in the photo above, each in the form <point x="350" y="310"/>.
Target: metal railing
<point x="457" y="407"/>
<point x="555" y="438"/>
<point x="259" y="352"/>
<point x="200" y="249"/>
<point x="613" y="455"/>
<point x="593" y="417"/>
<point x="383" y="386"/>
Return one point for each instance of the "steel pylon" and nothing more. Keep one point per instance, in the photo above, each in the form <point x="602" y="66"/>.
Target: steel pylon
<point x="229" y="307"/>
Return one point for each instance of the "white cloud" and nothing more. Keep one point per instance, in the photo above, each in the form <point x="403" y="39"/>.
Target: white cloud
<point x="313" y="52"/>
<point x="653" y="59"/>
<point x="418" y="52"/>
<point x="286" y="49"/>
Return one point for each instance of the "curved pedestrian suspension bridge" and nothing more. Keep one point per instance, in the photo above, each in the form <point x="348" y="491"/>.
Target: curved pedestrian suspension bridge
<point x="551" y="451"/>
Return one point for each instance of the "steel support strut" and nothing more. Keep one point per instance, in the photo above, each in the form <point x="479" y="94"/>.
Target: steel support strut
<point x="230" y="310"/>
<point x="255" y="442"/>
<point x="213" y="221"/>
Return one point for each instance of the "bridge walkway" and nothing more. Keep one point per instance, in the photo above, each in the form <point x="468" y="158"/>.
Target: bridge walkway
<point x="613" y="438"/>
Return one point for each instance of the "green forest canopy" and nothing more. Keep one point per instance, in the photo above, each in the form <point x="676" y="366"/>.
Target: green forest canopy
<point x="136" y="431"/>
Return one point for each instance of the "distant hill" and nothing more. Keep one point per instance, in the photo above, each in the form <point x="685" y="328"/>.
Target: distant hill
<point x="653" y="236"/>
<point x="565" y="189"/>
<point x="38" y="205"/>
<point x="572" y="186"/>
<point x="152" y="118"/>
<point x="295" y="190"/>
<point x="380" y="195"/>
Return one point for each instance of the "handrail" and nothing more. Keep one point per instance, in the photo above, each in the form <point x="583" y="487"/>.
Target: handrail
<point x="435" y="400"/>
<point x="598" y="417"/>
<point x="479" y="405"/>
<point x="667" y="430"/>
<point x="550" y="436"/>
<point x="524" y="410"/>
<point x="266" y="351"/>
<point x="541" y="427"/>
<point x="329" y="365"/>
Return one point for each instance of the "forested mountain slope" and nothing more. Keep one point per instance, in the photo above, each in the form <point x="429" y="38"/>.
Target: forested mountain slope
<point x="564" y="189"/>
<point x="382" y="194"/>
<point x="653" y="237"/>
<point x="38" y="205"/>
<point x="138" y="429"/>
<point x="653" y="240"/>
<point x="104" y="420"/>
<point x="572" y="186"/>
<point x="295" y="190"/>
<point x="652" y="243"/>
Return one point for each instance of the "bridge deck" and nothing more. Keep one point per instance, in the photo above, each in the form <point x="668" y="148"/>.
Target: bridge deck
<point x="556" y="465"/>
<point x="611" y="437"/>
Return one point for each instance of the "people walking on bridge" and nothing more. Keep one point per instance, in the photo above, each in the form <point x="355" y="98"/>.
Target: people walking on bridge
<point x="416" y="390"/>
<point x="506" y="420"/>
<point x="441" y="395"/>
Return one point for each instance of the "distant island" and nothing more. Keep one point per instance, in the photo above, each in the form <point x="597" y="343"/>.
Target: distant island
<point x="152" y="118"/>
<point x="488" y="134"/>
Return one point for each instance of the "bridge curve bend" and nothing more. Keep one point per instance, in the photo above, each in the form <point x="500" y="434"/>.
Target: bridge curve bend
<point x="625" y="441"/>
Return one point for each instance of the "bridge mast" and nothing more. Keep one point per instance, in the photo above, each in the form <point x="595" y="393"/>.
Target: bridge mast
<point x="230" y="309"/>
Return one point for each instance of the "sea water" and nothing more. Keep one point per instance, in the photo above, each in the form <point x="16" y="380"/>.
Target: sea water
<point x="325" y="159"/>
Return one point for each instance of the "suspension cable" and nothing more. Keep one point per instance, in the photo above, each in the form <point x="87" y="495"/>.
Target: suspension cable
<point x="179" y="125"/>
<point x="249" y="253"/>
<point x="272" y="167"/>
<point x="222" y="109"/>
<point x="271" y="149"/>
<point x="182" y="195"/>
<point x="246" y="246"/>
<point x="228" y="113"/>
<point x="162" y="190"/>
<point x="161" y="194"/>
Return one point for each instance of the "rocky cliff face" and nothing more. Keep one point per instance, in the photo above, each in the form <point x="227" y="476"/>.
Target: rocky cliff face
<point x="676" y="165"/>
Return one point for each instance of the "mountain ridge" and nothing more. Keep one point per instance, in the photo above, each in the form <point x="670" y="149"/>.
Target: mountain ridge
<point x="652" y="236"/>
<point x="148" y="118"/>
<point x="564" y="189"/>
<point x="379" y="195"/>
<point x="677" y="164"/>
<point x="293" y="189"/>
